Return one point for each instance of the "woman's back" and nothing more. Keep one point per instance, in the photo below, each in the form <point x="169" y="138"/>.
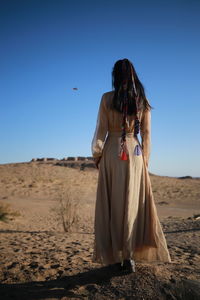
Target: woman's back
<point x="115" y="117"/>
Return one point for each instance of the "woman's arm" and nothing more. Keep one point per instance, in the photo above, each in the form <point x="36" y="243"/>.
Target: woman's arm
<point x="145" y="129"/>
<point x="100" y="131"/>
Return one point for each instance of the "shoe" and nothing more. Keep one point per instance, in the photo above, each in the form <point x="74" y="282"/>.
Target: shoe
<point x="116" y="267"/>
<point x="132" y="263"/>
<point x="129" y="265"/>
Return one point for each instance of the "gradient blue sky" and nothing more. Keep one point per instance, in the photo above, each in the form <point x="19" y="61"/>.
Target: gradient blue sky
<point x="49" y="47"/>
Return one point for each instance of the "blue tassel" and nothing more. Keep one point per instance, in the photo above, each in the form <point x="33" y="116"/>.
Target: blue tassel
<point x="137" y="150"/>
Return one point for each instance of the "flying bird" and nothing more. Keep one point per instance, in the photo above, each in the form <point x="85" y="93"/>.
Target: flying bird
<point x="75" y="89"/>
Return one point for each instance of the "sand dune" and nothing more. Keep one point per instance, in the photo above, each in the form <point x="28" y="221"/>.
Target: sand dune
<point x="39" y="260"/>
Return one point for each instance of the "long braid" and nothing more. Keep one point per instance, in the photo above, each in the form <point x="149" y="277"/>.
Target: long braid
<point x="123" y="148"/>
<point x="137" y="122"/>
<point x="123" y="154"/>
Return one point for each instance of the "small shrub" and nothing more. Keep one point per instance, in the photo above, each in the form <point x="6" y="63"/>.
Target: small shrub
<point x="68" y="210"/>
<point x="6" y="213"/>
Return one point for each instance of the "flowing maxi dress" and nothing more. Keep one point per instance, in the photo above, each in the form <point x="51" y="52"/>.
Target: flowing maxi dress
<point x="126" y="222"/>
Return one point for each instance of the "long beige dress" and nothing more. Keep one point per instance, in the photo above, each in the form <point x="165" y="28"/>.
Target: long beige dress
<point x="126" y="221"/>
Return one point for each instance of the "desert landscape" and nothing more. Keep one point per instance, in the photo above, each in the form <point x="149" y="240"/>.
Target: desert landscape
<point x="46" y="229"/>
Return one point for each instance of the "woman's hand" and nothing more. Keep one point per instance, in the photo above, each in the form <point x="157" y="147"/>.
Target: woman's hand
<point x="96" y="161"/>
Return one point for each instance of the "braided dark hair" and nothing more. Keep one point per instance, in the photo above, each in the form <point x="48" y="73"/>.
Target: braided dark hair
<point x="129" y="97"/>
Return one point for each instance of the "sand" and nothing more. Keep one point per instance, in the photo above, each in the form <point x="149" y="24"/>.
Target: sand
<point x="39" y="260"/>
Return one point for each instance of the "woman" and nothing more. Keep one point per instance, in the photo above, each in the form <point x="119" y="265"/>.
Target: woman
<point x="127" y="228"/>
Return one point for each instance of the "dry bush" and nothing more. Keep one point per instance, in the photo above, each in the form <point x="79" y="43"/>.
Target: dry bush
<point x="67" y="210"/>
<point x="6" y="213"/>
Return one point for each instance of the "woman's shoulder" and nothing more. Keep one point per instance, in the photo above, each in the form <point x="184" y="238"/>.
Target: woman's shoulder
<point x="145" y="110"/>
<point x="146" y="105"/>
<point x="107" y="98"/>
<point x="108" y="94"/>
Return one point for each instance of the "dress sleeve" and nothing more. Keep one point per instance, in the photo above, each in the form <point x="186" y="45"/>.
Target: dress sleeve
<point x="145" y="129"/>
<point x="101" y="129"/>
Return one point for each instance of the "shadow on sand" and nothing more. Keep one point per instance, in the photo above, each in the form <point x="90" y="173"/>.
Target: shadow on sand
<point x="62" y="287"/>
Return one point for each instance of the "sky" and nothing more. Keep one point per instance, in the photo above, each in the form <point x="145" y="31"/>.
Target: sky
<point x="48" y="47"/>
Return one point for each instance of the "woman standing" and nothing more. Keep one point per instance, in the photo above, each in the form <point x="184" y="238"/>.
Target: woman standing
<point x="127" y="228"/>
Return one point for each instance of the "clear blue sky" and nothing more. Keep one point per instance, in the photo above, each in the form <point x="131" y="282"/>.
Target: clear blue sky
<point x="50" y="46"/>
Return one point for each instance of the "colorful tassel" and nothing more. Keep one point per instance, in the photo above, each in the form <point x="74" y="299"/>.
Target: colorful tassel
<point x="124" y="156"/>
<point x="137" y="150"/>
<point x="123" y="151"/>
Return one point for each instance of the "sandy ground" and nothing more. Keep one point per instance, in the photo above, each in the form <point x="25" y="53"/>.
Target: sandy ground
<point x="39" y="260"/>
